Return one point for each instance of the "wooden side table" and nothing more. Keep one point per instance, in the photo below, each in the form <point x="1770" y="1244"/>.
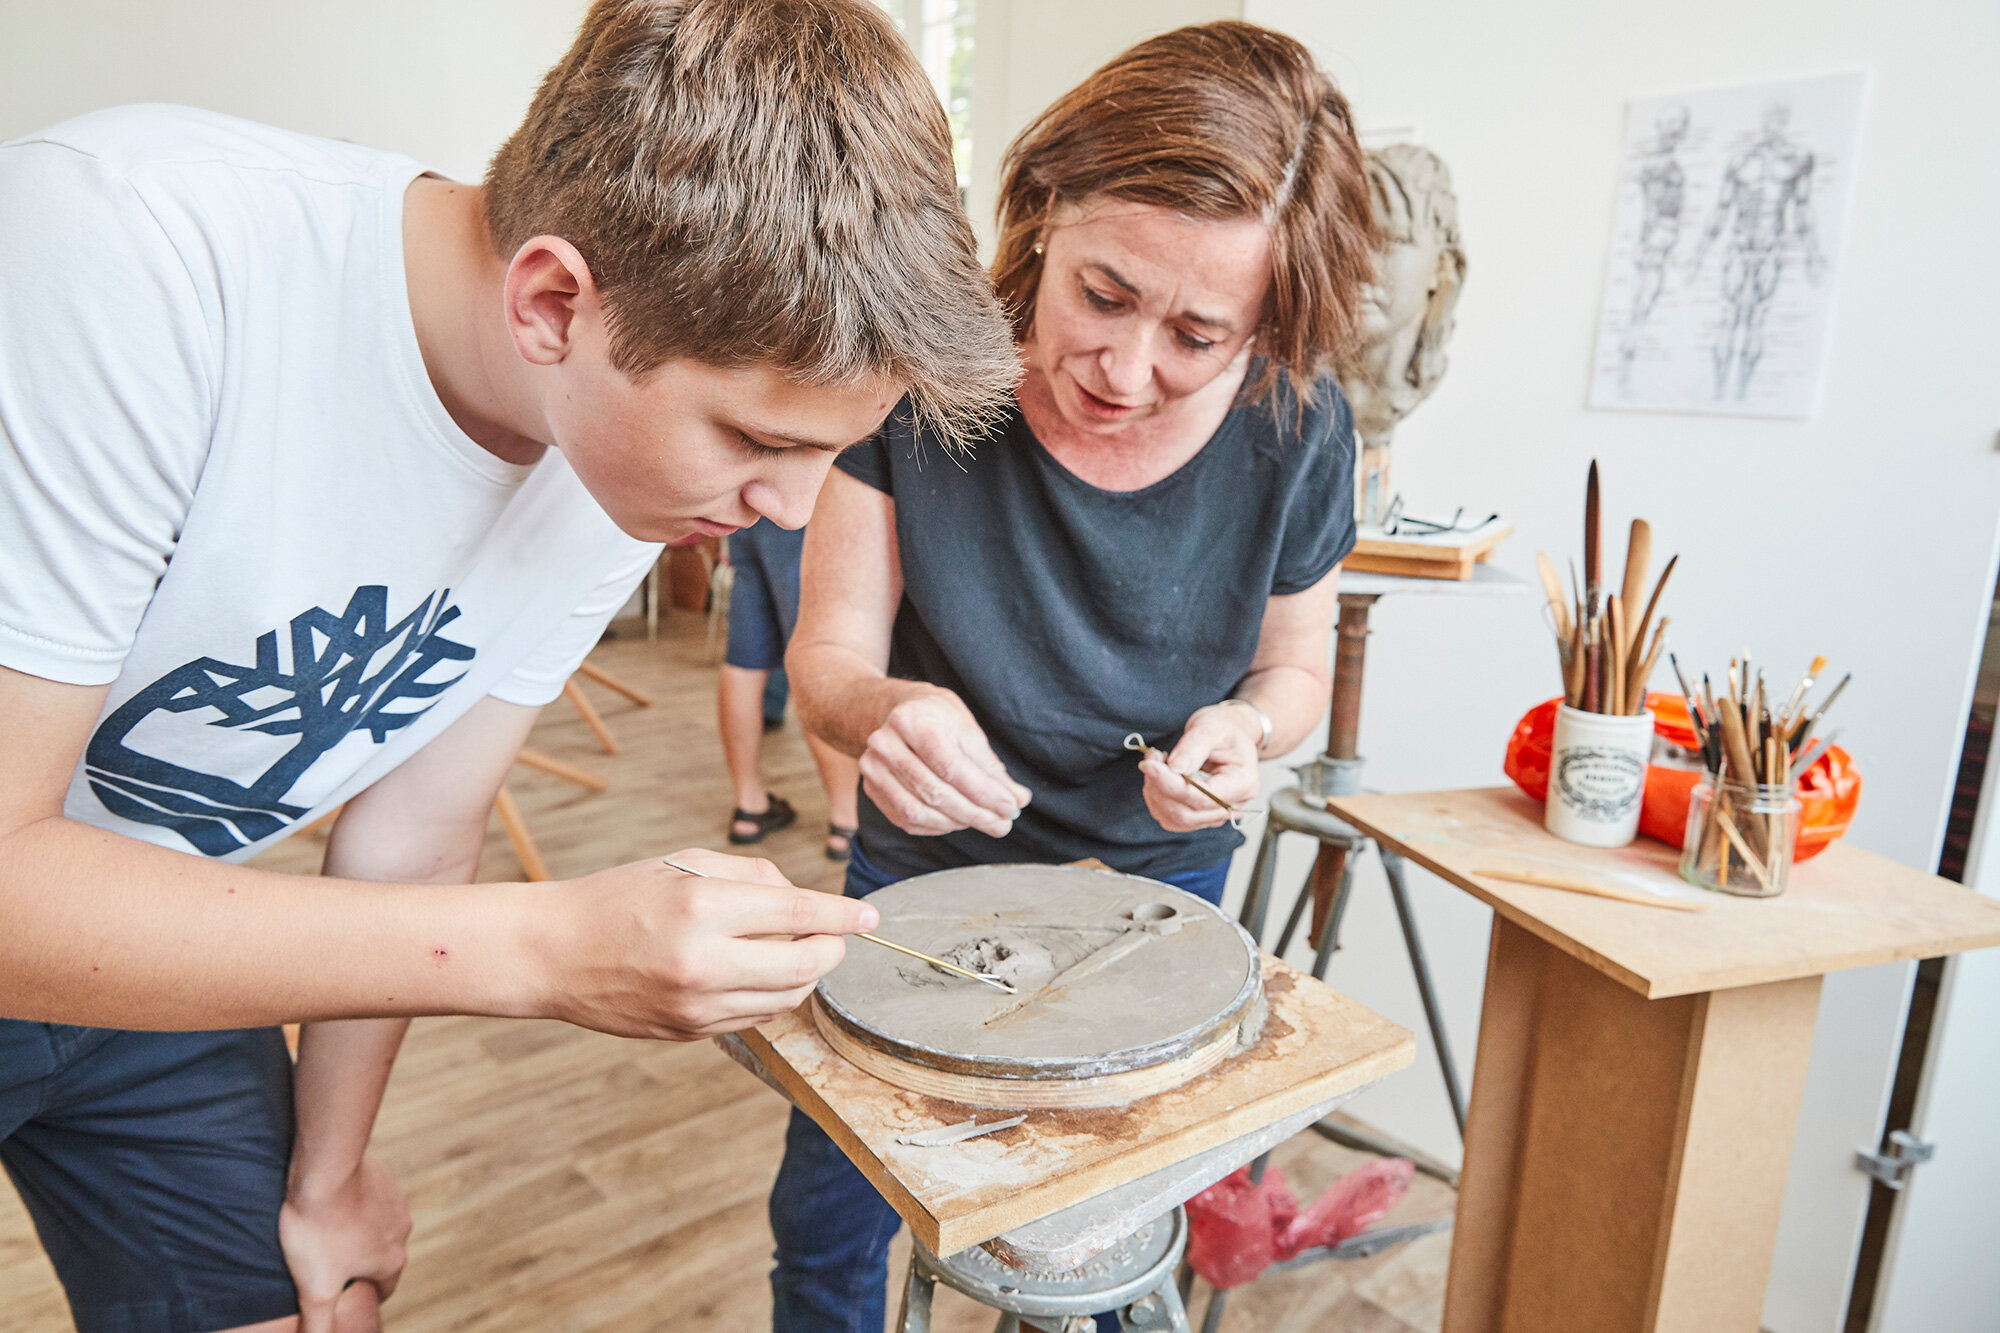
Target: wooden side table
<point x="1640" y="1071"/>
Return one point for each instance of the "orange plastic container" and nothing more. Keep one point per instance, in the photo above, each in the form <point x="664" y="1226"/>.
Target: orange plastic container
<point x="1828" y="791"/>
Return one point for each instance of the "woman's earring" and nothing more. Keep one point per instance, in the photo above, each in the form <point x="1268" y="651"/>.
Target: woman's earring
<point x="1038" y="247"/>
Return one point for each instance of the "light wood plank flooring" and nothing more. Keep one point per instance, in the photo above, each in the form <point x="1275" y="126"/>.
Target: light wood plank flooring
<point x="567" y="1182"/>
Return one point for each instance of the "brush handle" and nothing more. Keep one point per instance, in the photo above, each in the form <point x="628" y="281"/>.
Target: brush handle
<point x="1638" y="558"/>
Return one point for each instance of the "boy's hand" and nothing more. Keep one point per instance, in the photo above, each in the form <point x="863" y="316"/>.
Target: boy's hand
<point x="353" y="1234"/>
<point x="646" y="951"/>
<point x="1219" y="747"/>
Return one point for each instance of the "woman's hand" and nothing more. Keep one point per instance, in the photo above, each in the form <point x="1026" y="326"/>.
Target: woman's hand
<point x="929" y="768"/>
<point x="345" y="1247"/>
<point x="1219" y="747"/>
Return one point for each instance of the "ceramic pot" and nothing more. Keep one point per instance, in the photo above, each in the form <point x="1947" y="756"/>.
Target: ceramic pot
<point x="1597" y="775"/>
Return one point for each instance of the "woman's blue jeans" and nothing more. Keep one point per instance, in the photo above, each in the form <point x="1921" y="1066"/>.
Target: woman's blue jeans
<point x="833" y="1230"/>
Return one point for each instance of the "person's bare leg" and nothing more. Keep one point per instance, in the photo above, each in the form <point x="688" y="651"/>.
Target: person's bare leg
<point x="739" y="707"/>
<point x="840" y="777"/>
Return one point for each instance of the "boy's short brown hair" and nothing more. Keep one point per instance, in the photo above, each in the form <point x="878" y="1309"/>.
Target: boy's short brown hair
<point x="761" y="182"/>
<point x="1222" y="121"/>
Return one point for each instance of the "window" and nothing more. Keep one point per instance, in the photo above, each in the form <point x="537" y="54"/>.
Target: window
<point x="941" y="33"/>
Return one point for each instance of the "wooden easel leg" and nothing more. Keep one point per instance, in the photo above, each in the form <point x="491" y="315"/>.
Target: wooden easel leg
<point x="582" y="777"/>
<point x="517" y="833"/>
<point x="1625" y="1158"/>
<point x="574" y="693"/>
<point x="611" y="682"/>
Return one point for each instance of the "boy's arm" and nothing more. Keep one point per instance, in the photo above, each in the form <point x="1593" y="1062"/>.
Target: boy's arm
<point x="112" y="932"/>
<point x="344" y="1218"/>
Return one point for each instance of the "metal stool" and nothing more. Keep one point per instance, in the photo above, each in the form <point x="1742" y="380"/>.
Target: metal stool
<point x="1134" y="1277"/>
<point x="1291" y="813"/>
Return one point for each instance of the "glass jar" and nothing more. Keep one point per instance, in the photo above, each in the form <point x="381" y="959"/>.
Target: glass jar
<point x="1739" y="837"/>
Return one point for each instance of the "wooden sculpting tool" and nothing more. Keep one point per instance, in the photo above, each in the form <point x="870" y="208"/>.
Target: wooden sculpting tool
<point x="1638" y="557"/>
<point x="1552" y="585"/>
<point x="952" y="968"/>
<point x="1592" y="888"/>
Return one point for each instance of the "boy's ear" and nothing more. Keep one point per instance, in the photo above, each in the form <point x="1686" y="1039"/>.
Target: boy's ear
<point x="547" y="284"/>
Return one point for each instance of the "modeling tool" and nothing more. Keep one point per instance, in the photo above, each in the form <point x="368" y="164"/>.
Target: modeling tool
<point x="952" y="968"/>
<point x="1606" y="646"/>
<point x="1638" y="558"/>
<point x="1137" y="744"/>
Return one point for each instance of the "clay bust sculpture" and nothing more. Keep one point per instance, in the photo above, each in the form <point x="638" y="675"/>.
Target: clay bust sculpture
<point x="1409" y="313"/>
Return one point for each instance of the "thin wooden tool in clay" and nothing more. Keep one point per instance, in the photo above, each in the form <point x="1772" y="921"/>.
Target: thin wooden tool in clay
<point x="1592" y="888"/>
<point x="953" y="968"/>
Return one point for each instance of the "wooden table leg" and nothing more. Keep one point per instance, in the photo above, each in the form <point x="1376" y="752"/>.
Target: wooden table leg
<point x="1625" y="1158"/>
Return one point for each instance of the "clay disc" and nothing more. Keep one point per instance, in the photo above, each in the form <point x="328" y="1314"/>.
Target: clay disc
<point x="1114" y="974"/>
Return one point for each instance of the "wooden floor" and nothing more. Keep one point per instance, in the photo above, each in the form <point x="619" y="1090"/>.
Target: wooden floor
<point x="568" y="1182"/>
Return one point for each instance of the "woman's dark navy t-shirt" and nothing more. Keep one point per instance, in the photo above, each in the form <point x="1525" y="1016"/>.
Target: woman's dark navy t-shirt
<point x="1066" y="616"/>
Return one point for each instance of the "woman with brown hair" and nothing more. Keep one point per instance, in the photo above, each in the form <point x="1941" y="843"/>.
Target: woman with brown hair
<point x="1146" y="542"/>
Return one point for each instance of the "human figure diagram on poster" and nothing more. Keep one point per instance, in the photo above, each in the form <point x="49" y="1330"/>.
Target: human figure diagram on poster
<point x="1726" y="236"/>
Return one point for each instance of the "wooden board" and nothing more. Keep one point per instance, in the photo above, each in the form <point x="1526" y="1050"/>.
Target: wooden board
<point x="1844" y="908"/>
<point x="1457" y="570"/>
<point x="1443" y="546"/>
<point x="1625" y="1158"/>
<point x="1316" y="1045"/>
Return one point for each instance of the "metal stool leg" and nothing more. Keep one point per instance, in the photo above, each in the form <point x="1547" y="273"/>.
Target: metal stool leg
<point x="1292" y="922"/>
<point x="1258" y="898"/>
<point x="918" y="1287"/>
<point x="1329" y="940"/>
<point x="1392" y="865"/>
<point x="1163" y="1311"/>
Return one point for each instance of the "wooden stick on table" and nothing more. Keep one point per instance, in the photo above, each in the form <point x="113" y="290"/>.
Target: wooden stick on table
<point x="1592" y="888"/>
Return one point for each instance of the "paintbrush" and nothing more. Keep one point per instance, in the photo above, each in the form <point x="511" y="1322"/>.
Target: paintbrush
<point x="1812" y="754"/>
<point x="952" y="968"/>
<point x="1799" y="737"/>
<point x="1605" y="647"/>
<point x="1590" y="536"/>
<point x="1788" y="718"/>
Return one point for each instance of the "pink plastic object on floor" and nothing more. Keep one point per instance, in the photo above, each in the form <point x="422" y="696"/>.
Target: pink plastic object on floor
<point x="1237" y="1229"/>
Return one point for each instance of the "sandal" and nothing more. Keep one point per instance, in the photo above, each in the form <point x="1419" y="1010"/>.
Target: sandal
<point x="846" y="835"/>
<point x="774" y="816"/>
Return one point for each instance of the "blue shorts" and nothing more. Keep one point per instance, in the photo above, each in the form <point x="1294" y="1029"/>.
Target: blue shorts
<point x="764" y="600"/>
<point x="153" y="1164"/>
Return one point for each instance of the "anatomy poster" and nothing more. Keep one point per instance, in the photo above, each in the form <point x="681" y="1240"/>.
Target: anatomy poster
<point x="1725" y="249"/>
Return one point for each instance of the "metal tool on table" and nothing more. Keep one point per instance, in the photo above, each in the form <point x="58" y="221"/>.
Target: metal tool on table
<point x="953" y="968"/>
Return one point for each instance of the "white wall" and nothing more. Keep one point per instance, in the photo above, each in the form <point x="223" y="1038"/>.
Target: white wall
<point x="1027" y="53"/>
<point x="442" y="80"/>
<point x="1882" y="554"/>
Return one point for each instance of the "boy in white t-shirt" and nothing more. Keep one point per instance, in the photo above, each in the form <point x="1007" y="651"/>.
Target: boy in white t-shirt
<point x="318" y="476"/>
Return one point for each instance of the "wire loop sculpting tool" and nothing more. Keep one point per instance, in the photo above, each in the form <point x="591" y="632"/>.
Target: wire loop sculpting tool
<point x="996" y="982"/>
<point x="1137" y="744"/>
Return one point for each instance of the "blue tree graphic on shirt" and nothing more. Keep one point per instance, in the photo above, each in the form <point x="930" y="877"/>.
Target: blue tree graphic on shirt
<point x="348" y="672"/>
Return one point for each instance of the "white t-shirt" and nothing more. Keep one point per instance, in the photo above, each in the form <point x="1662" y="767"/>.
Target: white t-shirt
<point x="228" y="490"/>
